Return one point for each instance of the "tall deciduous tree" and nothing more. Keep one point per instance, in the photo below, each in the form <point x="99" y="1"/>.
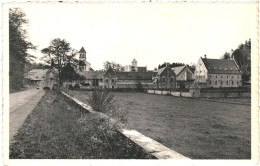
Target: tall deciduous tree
<point x="60" y="52"/>
<point x="242" y="56"/>
<point x="114" y="65"/>
<point x="18" y="47"/>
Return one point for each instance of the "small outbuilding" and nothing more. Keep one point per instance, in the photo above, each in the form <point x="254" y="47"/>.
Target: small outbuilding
<point x="194" y="89"/>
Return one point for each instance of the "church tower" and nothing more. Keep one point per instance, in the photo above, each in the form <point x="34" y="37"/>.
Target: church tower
<point x="83" y="64"/>
<point x="82" y="54"/>
<point x="134" y="65"/>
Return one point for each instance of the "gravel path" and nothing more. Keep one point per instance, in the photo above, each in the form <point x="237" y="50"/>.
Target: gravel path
<point x="21" y="105"/>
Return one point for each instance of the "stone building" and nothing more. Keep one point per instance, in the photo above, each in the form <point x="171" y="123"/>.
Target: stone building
<point x="118" y="79"/>
<point x="218" y="73"/>
<point x="42" y="78"/>
<point x="164" y="78"/>
<point x="92" y="78"/>
<point x="184" y="76"/>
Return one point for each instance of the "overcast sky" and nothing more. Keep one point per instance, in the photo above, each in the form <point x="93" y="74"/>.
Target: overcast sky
<point x="150" y="33"/>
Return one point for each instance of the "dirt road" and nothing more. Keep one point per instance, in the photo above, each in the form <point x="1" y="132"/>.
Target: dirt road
<point x="21" y="104"/>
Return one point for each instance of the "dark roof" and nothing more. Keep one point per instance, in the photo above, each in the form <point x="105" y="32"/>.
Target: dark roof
<point x="82" y="50"/>
<point x="92" y="74"/>
<point x="221" y="66"/>
<point x="134" y="75"/>
<point x="141" y="69"/>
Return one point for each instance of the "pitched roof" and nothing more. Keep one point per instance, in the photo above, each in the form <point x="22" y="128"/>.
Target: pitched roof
<point x="159" y="71"/>
<point x="37" y="74"/>
<point x="194" y="85"/>
<point x="135" y="75"/>
<point x="178" y="69"/>
<point x="221" y="66"/>
<point x="92" y="74"/>
<point x="82" y="50"/>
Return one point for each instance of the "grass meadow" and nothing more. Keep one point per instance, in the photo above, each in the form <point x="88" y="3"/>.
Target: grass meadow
<point x="195" y="128"/>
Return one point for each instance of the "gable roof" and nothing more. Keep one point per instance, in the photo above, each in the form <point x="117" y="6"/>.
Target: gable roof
<point x="221" y="66"/>
<point x="177" y="70"/>
<point x="109" y="70"/>
<point x="82" y="50"/>
<point x="92" y="74"/>
<point x="194" y="85"/>
<point x="134" y="75"/>
<point x="37" y="74"/>
<point x="159" y="71"/>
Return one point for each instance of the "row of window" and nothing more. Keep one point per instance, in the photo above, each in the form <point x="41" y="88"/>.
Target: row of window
<point x="164" y="79"/>
<point x="221" y="76"/>
<point x="221" y="82"/>
<point x="232" y="77"/>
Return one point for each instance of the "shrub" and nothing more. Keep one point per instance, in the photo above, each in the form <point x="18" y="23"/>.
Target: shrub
<point x="76" y="87"/>
<point x="101" y="100"/>
<point x="70" y="87"/>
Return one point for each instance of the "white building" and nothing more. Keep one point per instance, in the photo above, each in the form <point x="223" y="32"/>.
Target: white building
<point x="218" y="73"/>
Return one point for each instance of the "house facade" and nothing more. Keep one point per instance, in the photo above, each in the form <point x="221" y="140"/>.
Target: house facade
<point x="164" y="78"/>
<point x="42" y="78"/>
<point x="119" y="79"/>
<point x="92" y="78"/>
<point x="218" y="73"/>
<point x="184" y="76"/>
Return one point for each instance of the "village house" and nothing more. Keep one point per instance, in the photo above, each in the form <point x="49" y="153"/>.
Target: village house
<point x="118" y="79"/>
<point x="164" y="78"/>
<point x="92" y="78"/>
<point x="184" y="76"/>
<point x="42" y="78"/>
<point x="218" y="73"/>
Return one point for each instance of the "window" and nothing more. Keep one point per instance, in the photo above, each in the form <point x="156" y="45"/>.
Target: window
<point x="227" y="76"/>
<point x="163" y="79"/>
<point x="237" y="82"/>
<point x="210" y="82"/>
<point x="221" y="76"/>
<point x="232" y="77"/>
<point x="106" y="80"/>
<point x="112" y="80"/>
<point x="221" y="83"/>
<point x="209" y="76"/>
<point x="232" y="82"/>
<point x="216" y="76"/>
<point x="172" y="79"/>
<point x="51" y="78"/>
<point x="227" y="82"/>
<point x="237" y="77"/>
<point x="216" y="82"/>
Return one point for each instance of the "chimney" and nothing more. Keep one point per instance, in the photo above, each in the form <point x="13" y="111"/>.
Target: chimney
<point x="167" y="64"/>
<point x="205" y="56"/>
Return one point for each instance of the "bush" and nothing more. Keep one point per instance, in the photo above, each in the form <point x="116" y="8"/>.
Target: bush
<point x="101" y="100"/>
<point x="76" y="87"/>
<point x="70" y="87"/>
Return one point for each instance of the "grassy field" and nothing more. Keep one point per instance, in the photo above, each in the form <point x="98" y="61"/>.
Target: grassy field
<point x="234" y="100"/>
<point x="195" y="128"/>
<point x="56" y="130"/>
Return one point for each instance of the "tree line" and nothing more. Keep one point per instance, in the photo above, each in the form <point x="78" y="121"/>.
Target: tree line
<point x="18" y="48"/>
<point x="242" y="56"/>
